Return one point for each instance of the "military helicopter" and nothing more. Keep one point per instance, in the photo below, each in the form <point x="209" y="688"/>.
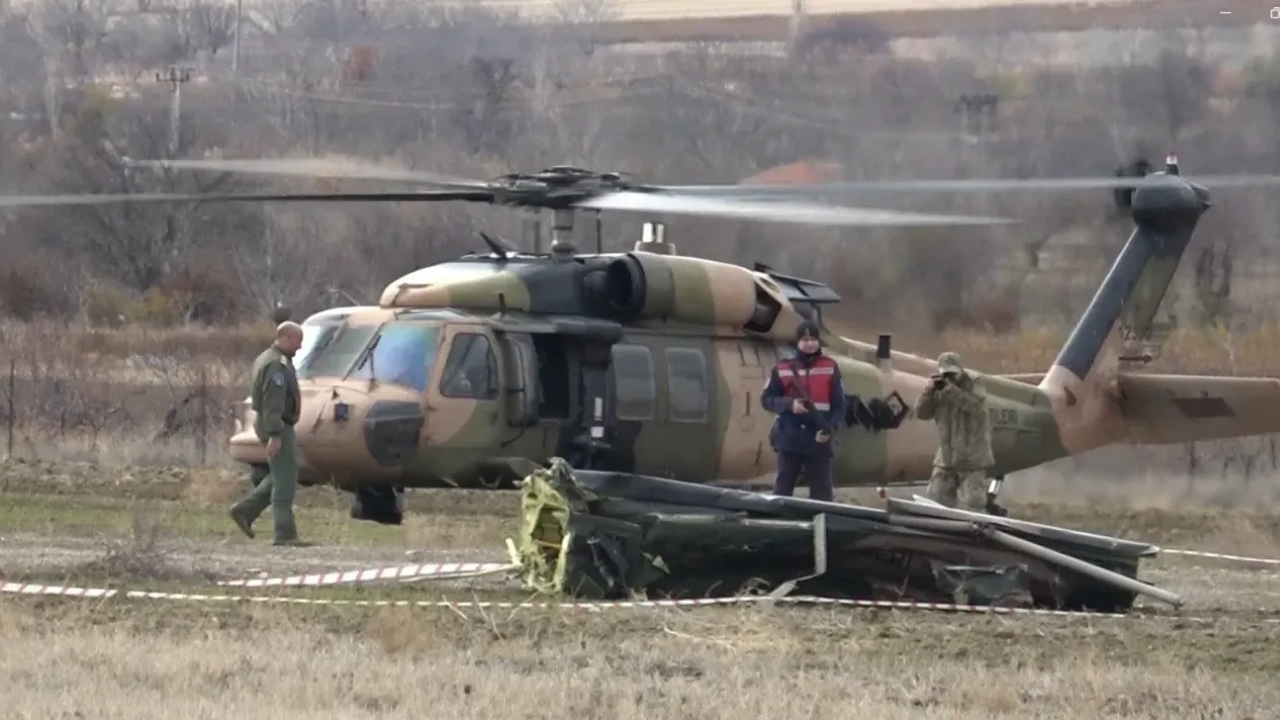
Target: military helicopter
<point x="468" y="372"/>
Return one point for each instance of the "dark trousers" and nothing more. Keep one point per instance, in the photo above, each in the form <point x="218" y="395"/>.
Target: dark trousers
<point x="815" y="468"/>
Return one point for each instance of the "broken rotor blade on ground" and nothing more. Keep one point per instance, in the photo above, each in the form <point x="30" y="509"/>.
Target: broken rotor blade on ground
<point x="775" y="211"/>
<point x="316" y="168"/>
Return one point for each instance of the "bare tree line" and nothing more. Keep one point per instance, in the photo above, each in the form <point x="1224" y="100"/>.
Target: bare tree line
<point x="473" y="92"/>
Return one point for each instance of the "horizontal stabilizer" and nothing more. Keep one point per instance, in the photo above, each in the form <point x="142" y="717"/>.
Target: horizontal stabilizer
<point x="1165" y="409"/>
<point x="1032" y="378"/>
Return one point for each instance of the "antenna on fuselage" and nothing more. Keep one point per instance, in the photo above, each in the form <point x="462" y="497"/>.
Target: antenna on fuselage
<point x="653" y="239"/>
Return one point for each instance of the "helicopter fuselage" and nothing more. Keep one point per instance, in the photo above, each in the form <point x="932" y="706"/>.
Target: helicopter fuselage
<point x="431" y="398"/>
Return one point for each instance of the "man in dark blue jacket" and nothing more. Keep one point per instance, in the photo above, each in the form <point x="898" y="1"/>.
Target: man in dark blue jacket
<point x="807" y="395"/>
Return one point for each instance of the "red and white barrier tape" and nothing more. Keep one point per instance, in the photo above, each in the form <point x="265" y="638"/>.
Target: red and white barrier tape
<point x="402" y="573"/>
<point x="462" y="571"/>
<point x="1219" y="556"/>
<point x="82" y="592"/>
<point x="594" y="606"/>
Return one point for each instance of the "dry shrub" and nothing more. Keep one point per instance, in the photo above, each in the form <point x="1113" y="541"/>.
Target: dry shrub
<point x="108" y="306"/>
<point x="140" y="556"/>
<point x="213" y="487"/>
<point x="206" y="294"/>
<point x="160" y="308"/>
<point x="239" y="343"/>
<point x="78" y="342"/>
<point x="1187" y="350"/>
<point x="400" y="630"/>
<point x="25" y="292"/>
<point x="13" y="617"/>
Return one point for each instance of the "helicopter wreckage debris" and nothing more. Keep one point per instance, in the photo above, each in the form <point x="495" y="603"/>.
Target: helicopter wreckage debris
<point x="610" y="536"/>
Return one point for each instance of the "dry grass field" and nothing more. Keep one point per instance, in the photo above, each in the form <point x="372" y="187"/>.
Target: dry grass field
<point x="164" y="529"/>
<point x="124" y="510"/>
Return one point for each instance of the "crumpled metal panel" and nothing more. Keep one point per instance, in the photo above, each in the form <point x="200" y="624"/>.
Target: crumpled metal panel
<point x="984" y="585"/>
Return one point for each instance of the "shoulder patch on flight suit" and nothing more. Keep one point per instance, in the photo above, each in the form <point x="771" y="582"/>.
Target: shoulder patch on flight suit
<point x="278" y="378"/>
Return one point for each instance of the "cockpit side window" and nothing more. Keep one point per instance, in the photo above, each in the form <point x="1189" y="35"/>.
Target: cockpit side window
<point x="471" y="371"/>
<point x="335" y="353"/>
<point x="403" y="354"/>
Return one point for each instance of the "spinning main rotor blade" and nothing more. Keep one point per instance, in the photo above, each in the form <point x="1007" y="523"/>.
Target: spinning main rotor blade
<point x="791" y="212"/>
<point x="355" y="170"/>
<point x="15" y="201"/>
<point x="775" y="211"/>
<point x="317" y="168"/>
<point x="974" y="185"/>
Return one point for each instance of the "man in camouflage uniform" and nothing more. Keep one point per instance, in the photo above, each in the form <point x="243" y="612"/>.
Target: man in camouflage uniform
<point x="958" y="406"/>
<point x="273" y="390"/>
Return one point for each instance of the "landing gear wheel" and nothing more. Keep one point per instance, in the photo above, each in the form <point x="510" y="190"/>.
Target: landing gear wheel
<point x="382" y="505"/>
<point x="993" y="491"/>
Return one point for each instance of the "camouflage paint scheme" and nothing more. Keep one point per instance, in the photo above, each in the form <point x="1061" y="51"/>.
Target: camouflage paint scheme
<point x="741" y="321"/>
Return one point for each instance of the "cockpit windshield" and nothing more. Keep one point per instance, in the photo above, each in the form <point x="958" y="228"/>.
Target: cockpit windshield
<point x="403" y="353"/>
<point x="314" y="335"/>
<point x="334" y="351"/>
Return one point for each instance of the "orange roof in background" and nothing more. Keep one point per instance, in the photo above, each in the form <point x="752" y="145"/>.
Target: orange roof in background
<point x="799" y="172"/>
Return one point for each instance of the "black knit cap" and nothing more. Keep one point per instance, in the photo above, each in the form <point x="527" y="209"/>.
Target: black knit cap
<point x="808" y="328"/>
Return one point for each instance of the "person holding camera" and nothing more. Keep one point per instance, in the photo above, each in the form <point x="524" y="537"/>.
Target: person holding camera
<point x="958" y="406"/>
<point x="807" y="395"/>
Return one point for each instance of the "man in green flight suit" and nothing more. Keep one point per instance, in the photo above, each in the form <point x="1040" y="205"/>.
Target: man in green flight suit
<point x="273" y="390"/>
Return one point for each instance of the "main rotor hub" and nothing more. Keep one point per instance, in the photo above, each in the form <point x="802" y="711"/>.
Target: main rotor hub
<point x="563" y="176"/>
<point x="557" y="188"/>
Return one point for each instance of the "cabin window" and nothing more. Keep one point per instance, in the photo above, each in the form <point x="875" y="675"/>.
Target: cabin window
<point x="401" y="354"/>
<point x="471" y="370"/>
<point x="687" y="392"/>
<point x="335" y="353"/>
<point x="634" y="389"/>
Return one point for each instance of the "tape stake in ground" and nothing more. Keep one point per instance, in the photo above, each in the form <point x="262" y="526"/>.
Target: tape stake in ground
<point x="403" y="573"/>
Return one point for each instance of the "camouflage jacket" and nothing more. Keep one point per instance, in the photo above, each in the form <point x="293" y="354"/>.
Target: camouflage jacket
<point x="964" y="430"/>
<point x="273" y="391"/>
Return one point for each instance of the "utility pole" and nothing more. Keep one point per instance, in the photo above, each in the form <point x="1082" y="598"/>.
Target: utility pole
<point x="176" y="78"/>
<point x="977" y="113"/>
<point x="796" y="26"/>
<point x="235" y="56"/>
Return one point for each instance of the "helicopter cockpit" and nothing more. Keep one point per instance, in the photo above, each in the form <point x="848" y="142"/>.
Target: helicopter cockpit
<point x="383" y="383"/>
<point x="393" y="353"/>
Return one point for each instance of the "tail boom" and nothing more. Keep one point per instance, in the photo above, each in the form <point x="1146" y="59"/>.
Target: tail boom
<point x="1168" y="409"/>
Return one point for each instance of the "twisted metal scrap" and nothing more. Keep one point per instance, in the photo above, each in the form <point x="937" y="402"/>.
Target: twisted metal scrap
<point x="541" y="553"/>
